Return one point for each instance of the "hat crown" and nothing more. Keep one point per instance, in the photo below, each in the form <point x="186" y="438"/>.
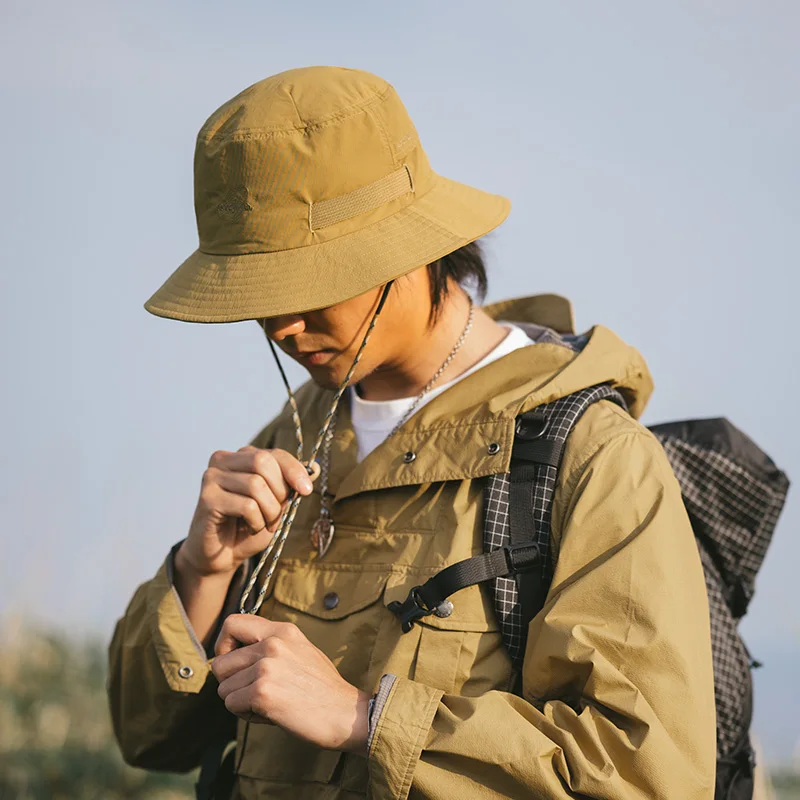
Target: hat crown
<point x="304" y="157"/>
<point x="295" y="98"/>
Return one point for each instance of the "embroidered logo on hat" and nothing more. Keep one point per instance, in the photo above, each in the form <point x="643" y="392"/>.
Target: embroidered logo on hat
<point x="234" y="205"/>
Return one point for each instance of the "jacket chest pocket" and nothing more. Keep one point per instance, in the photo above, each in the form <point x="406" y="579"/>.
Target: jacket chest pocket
<point x="462" y="653"/>
<point x="338" y="609"/>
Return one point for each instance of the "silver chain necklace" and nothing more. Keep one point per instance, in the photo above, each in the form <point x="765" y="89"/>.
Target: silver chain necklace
<point x="323" y="530"/>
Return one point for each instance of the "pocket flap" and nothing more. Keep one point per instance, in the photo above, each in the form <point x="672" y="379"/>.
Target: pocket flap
<point x="328" y="591"/>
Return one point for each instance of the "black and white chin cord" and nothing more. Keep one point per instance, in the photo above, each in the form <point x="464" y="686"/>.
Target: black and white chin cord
<point x="275" y="547"/>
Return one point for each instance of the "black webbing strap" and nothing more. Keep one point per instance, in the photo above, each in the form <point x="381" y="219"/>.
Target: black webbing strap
<point x="522" y="527"/>
<point x="532" y="454"/>
<point x="538" y="451"/>
<point x="430" y="597"/>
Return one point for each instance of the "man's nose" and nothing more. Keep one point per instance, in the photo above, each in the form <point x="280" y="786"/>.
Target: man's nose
<point x="278" y="328"/>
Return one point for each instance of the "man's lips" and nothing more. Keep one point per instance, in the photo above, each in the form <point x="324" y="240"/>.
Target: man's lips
<point x="314" y="358"/>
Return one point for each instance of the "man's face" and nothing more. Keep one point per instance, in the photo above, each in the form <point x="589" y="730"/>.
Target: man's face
<point x="326" y="341"/>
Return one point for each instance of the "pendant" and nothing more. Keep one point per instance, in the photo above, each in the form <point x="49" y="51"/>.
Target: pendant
<point x="322" y="535"/>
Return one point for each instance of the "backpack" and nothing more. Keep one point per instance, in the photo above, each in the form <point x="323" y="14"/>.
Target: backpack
<point x="733" y="494"/>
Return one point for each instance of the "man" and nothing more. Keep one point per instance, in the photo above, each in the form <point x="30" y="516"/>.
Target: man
<point x="319" y="216"/>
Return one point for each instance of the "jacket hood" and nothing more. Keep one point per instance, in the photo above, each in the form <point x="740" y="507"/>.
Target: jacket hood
<point x="599" y="355"/>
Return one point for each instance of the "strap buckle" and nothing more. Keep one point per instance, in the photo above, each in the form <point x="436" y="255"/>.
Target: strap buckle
<point x="531" y="426"/>
<point x="522" y="557"/>
<point x="410" y="610"/>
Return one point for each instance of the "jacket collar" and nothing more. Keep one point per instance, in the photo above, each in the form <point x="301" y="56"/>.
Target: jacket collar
<point x="450" y="437"/>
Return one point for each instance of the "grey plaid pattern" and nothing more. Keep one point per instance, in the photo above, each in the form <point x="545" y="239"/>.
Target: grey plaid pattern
<point x="561" y="416"/>
<point x="732" y="682"/>
<point x="496" y="534"/>
<point x="738" y="509"/>
<point x="741" y="508"/>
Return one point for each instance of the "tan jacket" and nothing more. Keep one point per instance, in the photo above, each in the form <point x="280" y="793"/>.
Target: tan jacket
<point x="618" y="686"/>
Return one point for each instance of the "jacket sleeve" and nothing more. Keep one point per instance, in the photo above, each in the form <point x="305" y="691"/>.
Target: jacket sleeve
<point x="617" y="678"/>
<point x="163" y="695"/>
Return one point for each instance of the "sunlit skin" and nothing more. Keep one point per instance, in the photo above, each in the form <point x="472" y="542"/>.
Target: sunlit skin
<point x="404" y="350"/>
<point x="269" y="671"/>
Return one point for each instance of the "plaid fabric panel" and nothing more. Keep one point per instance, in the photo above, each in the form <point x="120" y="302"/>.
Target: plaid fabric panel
<point x="732" y="682"/>
<point x="739" y="509"/>
<point x="561" y="416"/>
<point x="496" y="534"/>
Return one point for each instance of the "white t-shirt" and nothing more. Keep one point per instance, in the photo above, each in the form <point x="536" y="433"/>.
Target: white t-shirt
<point x="374" y="420"/>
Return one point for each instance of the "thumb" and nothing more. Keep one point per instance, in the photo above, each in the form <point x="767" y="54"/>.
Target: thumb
<point x="241" y="629"/>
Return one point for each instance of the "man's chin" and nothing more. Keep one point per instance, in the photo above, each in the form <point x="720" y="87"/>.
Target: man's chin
<point x="325" y="378"/>
<point x="328" y="376"/>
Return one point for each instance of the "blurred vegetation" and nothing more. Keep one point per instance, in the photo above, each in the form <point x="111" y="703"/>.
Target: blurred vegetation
<point x="786" y="785"/>
<point x="56" y="740"/>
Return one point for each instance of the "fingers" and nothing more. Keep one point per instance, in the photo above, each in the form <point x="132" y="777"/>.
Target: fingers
<point x="249" y="677"/>
<point x="294" y="473"/>
<point x="241" y="629"/>
<point x="264" y="478"/>
<point x="247" y="629"/>
<point x="251" y="485"/>
<point x="233" y="504"/>
<point x="245" y="694"/>
<point x="263" y="465"/>
<point x="280" y="470"/>
<point x="239" y="679"/>
<point x="241" y="704"/>
<point x="235" y="661"/>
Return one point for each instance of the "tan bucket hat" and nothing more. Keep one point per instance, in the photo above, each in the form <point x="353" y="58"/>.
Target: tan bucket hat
<point x="311" y="187"/>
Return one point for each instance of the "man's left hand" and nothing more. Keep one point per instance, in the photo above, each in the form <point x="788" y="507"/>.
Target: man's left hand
<point x="269" y="672"/>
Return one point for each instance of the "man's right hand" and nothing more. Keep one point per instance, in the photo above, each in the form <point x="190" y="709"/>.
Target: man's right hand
<point x="242" y="499"/>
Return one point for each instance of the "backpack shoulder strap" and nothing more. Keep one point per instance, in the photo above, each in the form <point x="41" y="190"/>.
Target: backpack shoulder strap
<point x="539" y="443"/>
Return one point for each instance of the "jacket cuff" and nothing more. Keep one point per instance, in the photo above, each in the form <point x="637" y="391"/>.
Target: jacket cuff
<point x="181" y="656"/>
<point x="377" y="703"/>
<point x="399" y="737"/>
<point x="231" y="605"/>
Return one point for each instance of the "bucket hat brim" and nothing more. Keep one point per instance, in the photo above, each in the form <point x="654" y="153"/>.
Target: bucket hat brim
<point x="230" y="288"/>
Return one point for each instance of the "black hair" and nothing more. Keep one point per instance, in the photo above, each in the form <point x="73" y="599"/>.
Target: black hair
<point x="464" y="267"/>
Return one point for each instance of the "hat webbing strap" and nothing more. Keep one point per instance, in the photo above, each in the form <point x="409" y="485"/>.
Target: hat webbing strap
<point x="360" y="201"/>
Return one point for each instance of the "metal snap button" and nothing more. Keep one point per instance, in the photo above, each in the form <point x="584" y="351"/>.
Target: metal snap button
<point x="185" y="672"/>
<point x="493" y="449"/>
<point x="409" y="457"/>
<point x="330" y="601"/>
<point x="444" y="609"/>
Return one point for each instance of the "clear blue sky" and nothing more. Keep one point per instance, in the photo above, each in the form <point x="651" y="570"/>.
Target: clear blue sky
<point x="651" y="154"/>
